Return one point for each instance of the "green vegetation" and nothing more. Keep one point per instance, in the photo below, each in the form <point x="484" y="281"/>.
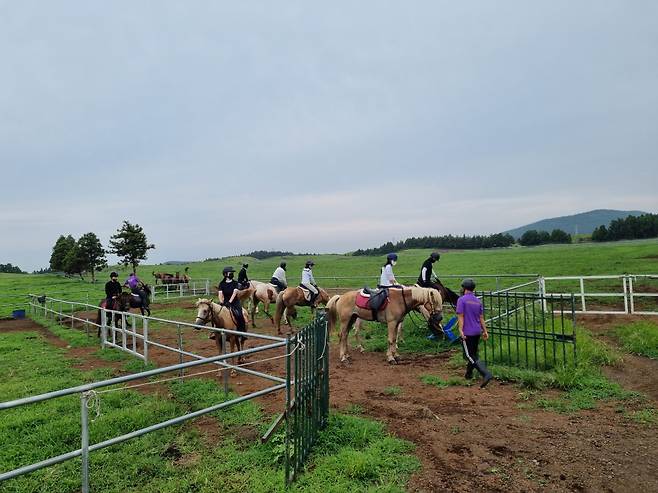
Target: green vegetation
<point x="628" y="228"/>
<point x="639" y="338"/>
<point x="352" y="454"/>
<point x="444" y="383"/>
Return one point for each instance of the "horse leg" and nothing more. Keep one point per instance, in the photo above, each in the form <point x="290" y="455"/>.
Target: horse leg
<point x="235" y="340"/>
<point x="254" y="302"/>
<point x="266" y="310"/>
<point x="345" y="326"/>
<point x="357" y="334"/>
<point x="398" y="338"/>
<point x="392" y="331"/>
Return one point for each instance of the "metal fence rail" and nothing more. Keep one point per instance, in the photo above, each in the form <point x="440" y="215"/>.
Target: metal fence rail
<point x="530" y="330"/>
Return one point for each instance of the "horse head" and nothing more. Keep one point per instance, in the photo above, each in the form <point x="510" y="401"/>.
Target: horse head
<point x="204" y="311"/>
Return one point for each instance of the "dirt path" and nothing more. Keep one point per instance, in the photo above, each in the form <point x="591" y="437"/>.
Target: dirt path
<point x="470" y="439"/>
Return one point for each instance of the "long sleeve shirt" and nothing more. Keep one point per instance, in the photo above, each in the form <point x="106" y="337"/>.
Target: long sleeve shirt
<point x="387" y="277"/>
<point x="112" y="288"/>
<point x="307" y="276"/>
<point x="280" y="274"/>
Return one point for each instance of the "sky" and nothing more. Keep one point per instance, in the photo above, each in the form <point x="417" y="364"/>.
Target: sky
<point x="226" y="127"/>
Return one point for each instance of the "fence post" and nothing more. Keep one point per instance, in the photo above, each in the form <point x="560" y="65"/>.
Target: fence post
<point x="180" y="290"/>
<point x="103" y="327"/>
<point x="582" y="294"/>
<point x="542" y="292"/>
<point x="226" y="372"/>
<point x="145" y="333"/>
<point x="181" y="372"/>
<point x="625" y="285"/>
<point x="84" y="419"/>
<point x="207" y="286"/>
<point x="630" y="293"/>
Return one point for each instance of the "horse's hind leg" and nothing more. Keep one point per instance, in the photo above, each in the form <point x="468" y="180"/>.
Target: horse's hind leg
<point x="357" y="333"/>
<point x="345" y="325"/>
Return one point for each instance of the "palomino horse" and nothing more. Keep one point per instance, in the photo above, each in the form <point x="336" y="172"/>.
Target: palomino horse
<point x="265" y="293"/>
<point x="220" y="316"/>
<point x="342" y="309"/>
<point x="286" y="301"/>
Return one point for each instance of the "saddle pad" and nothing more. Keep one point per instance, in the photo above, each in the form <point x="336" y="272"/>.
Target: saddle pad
<point x="307" y="293"/>
<point x="362" y="300"/>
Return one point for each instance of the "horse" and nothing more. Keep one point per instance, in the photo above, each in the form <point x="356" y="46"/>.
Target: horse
<point x="288" y="298"/>
<point x="220" y="316"/>
<point x="265" y="293"/>
<point x="343" y="309"/>
<point x="162" y="276"/>
<point x="116" y="305"/>
<point x="129" y="300"/>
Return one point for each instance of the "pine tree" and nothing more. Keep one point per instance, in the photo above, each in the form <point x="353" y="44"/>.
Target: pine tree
<point x="93" y="254"/>
<point x="61" y="249"/>
<point x="130" y="244"/>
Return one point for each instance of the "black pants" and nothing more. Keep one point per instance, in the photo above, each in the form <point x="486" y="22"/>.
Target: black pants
<point x="142" y="295"/>
<point x="238" y="316"/>
<point x="471" y="344"/>
<point x="279" y="285"/>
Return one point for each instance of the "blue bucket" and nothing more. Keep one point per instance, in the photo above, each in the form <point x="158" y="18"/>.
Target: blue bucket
<point x="18" y="314"/>
<point x="447" y="330"/>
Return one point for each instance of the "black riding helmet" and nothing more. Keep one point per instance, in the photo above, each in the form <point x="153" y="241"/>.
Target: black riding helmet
<point x="283" y="265"/>
<point x="435" y="256"/>
<point x="246" y="266"/>
<point x="309" y="263"/>
<point x="114" y="274"/>
<point x="227" y="270"/>
<point x="468" y="284"/>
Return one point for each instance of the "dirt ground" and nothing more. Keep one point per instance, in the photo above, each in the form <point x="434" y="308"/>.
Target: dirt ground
<point x="467" y="439"/>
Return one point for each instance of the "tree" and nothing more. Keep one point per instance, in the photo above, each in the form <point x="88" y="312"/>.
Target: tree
<point x="560" y="236"/>
<point x="10" y="269"/>
<point x="600" y="233"/>
<point x="74" y="262"/>
<point x="130" y="244"/>
<point x="61" y="249"/>
<point x="92" y="253"/>
<point x="530" y="238"/>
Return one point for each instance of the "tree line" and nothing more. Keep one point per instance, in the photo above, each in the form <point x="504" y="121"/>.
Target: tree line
<point x="87" y="255"/>
<point x="464" y="242"/>
<point x="628" y="228"/>
<point x="11" y="269"/>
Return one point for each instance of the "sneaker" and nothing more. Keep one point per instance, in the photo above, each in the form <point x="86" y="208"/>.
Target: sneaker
<point x="468" y="375"/>
<point x="487" y="379"/>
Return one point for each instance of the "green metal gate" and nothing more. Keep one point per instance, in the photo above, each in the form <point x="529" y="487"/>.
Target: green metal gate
<point x="529" y="330"/>
<point x="307" y="392"/>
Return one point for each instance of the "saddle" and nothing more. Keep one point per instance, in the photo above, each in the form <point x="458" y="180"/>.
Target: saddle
<point x="307" y="293"/>
<point x="374" y="300"/>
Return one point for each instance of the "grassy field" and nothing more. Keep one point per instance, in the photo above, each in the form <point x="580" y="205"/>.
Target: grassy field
<point x="635" y="257"/>
<point x="353" y="454"/>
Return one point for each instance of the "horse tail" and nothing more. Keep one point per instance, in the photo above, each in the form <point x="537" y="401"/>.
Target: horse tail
<point x="331" y="312"/>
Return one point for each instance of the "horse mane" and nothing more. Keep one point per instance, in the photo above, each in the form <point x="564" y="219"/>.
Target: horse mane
<point x="426" y="295"/>
<point x="204" y="300"/>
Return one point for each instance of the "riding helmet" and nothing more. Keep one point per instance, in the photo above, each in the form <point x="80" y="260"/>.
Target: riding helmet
<point x="114" y="274"/>
<point x="392" y="256"/>
<point x="245" y="266"/>
<point x="283" y="265"/>
<point x="309" y="263"/>
<point x="227" y="270"/>
<point x="468" y="284"/>
<point x="435" y="256"/>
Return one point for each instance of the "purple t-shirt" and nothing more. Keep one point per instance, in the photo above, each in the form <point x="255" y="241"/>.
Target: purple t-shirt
<point x="471" y="307"/>
<point x="132" y="281"/>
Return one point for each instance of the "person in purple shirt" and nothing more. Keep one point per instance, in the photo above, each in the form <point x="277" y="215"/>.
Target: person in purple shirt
<point x="470" y="315"/>
<point x="134" y="283"/>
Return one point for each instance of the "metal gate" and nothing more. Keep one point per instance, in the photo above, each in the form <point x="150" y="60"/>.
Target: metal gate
<point x="307" y="392"/>
<point x="529" y="330"/>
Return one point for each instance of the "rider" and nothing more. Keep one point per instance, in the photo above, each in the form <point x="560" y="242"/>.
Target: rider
<point x="112" y="290"/>
<point x="279" y="277"/>
<point x="308" y="282"/>
<point x="387" y="278"/>
<point x="135" y="284"/>
<point x="243" y="280"/>
<point x="425" y="278"/>
<point x="228" y="296"/>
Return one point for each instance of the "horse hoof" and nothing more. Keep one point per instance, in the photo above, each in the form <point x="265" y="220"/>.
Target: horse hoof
<point x="392" y="361"/>
<point x="360" y="348"/>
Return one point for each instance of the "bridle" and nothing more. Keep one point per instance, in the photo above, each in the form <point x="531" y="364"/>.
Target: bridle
<point x="211" y="313"/>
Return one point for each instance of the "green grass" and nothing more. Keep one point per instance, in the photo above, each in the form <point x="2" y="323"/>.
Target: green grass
<point x="639" y="338"/>
<point x="352" y="454"/>
<point x="444" y="383"/>
<point x="548" y="260"/>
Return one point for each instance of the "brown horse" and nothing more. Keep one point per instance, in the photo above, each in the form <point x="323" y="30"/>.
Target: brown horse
<point x="342" y="308"/>
<point x="162" y="276"/>
<point x="286" y="301"/>
<point x="219" y="316"/>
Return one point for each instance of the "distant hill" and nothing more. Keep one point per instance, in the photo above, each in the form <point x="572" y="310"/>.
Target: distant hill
<point x="583" y="223"/>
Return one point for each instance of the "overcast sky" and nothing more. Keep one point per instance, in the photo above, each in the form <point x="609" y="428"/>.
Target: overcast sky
<point x="226" y="127"/>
